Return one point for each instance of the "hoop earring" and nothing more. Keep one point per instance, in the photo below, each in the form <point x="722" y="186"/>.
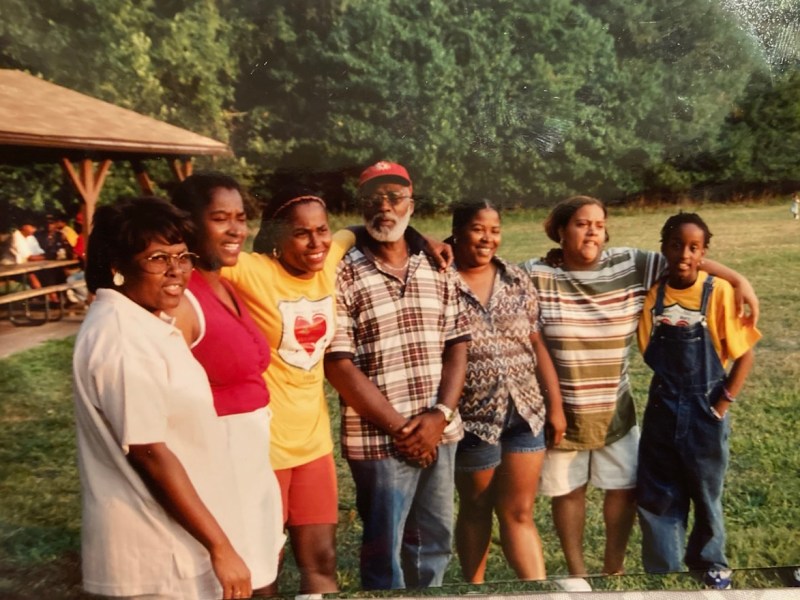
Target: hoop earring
<point x="118" y="279"/>
<point x="276" y="253"/>
<point x="455" y="240"/>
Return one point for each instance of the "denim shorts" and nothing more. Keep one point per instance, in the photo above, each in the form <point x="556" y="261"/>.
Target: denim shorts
<point x="475" y="454"/>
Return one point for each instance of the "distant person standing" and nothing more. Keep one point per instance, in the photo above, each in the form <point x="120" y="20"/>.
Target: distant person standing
<point x="796" y="206"/>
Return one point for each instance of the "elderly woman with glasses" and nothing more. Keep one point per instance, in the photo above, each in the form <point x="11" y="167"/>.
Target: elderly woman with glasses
<point x="160" y="508"/>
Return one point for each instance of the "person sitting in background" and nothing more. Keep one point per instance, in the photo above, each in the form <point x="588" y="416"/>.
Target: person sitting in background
<point x="60" y="220"/>
<point x="29" y="249"/>
<point x="55" y="247"/>
<point x="17" y="249"/>
<point x="22" y="247"/>
<point x="77" y="294"/>
<point x="160" y="502"/>
<point x="227" y="342"/>
<point x="80" y="244"/>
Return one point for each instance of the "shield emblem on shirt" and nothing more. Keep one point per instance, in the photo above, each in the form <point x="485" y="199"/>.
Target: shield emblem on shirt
<point x="306" y="330"/>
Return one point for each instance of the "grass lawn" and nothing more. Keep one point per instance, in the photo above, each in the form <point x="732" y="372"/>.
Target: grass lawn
<point x="39" y="488"/>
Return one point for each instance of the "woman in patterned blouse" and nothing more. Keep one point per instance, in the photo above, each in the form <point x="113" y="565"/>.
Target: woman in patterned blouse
<point x="510" y="397"/>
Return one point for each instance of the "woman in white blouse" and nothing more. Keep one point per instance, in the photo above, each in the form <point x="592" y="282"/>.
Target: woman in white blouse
<point x="158" y="507"/>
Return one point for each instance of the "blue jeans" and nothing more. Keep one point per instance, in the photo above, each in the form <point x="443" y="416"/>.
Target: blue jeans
<point x="407" y="514"/>
<point x="683" y="452"/>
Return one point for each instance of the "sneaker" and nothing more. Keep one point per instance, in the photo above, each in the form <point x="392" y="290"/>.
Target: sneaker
<point x="718" y="579"/>
<point x="574" y="584"/>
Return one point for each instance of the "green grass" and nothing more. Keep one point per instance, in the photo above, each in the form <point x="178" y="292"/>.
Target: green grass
<point x="39" y="488"/>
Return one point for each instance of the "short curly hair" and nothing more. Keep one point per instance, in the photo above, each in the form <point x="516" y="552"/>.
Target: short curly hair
<point x="120" y="231"/>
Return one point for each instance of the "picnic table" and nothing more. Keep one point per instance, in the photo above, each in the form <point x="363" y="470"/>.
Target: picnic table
<point x="19" y="273"/>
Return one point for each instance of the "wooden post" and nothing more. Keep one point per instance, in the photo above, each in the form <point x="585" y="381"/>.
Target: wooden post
<point x="145" y="183"/>
<point x="181" y="168"/>
<point x="88" y="184"/>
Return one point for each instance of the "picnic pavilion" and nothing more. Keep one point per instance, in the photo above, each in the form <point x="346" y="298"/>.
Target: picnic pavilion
<point x="41" y="122"/>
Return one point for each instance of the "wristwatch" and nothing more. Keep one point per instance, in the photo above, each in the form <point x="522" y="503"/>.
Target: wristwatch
<point x="449" y="413"/>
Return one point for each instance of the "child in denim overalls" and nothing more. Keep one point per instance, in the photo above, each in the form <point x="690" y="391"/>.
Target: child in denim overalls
<point x="688" y="331"/>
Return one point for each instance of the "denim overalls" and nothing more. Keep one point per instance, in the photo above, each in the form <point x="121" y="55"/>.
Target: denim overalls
<point x="683" y="453"/>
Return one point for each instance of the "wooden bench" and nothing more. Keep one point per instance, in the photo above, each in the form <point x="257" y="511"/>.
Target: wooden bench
<point x="27" y="295"/>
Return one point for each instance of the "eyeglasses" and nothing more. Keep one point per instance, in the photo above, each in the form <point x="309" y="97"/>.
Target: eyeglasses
<point x="160" y="262"/>
<point x="375" y="200"/>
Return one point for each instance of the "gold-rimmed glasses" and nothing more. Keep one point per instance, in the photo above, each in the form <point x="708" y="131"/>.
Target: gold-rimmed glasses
<point x="160" y="262"/>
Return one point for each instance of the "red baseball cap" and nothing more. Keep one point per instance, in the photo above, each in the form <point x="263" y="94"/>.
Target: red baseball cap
<point x="384" y="168"/>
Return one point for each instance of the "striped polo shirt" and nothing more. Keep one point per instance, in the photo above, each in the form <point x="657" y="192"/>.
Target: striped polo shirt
<point x="589" y="319"/>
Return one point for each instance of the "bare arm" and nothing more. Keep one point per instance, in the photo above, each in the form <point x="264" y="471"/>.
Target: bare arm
<point x="362" y="395"/>
<point x="440" y="252"/>
<point x="735" y="380"/>
<point x="424" y="432"/>
<point x="744" y="293"/>
<point x="548" y="381"/>
<point x="169" y="483"/>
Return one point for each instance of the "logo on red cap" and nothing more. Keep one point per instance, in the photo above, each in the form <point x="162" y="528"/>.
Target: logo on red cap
<point x="384" y="168"/>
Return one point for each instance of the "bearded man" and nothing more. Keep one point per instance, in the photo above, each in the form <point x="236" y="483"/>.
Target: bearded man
<point x="398" y="361"/>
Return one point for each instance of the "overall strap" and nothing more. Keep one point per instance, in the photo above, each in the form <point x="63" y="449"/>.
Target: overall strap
<point x="659" y="306"/>
<point x="708" y="286"/>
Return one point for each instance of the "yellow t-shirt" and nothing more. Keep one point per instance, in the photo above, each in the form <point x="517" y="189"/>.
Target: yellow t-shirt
<point x="70" y="235"/>
<point x="297" y="316"/>
<point x="731" y="337"/>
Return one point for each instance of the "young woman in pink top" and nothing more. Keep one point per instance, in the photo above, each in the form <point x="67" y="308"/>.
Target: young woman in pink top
<point x="226" y="341"/>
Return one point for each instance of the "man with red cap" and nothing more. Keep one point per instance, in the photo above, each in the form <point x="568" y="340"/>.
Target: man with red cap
<point x="398" y="361"/>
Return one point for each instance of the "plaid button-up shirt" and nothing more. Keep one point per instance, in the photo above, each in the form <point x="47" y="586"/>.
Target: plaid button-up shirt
<point x="396" y="333"/>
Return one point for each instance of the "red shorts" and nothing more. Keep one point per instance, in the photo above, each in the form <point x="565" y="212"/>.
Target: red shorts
<point x="309" y="493"/>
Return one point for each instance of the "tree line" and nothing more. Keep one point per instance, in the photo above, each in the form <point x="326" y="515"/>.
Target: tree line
<point x="524" y="101"/>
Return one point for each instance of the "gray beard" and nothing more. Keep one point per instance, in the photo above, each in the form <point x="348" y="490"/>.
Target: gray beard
<point x="393" y="234"/>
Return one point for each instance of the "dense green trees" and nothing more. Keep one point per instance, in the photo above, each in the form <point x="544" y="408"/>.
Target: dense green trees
<point x="523" y="100"/>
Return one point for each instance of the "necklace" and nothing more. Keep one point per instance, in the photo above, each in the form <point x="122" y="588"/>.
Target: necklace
<point x="401" y="269"/>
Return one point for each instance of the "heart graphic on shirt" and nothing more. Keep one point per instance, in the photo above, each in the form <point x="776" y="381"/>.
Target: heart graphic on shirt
<point x="308" y="333"/>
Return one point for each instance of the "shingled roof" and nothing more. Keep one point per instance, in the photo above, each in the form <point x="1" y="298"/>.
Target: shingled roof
<point x="44" y="122"/>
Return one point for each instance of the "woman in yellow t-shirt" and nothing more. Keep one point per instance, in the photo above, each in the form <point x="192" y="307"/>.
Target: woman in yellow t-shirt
<point x="288" y="287"/>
